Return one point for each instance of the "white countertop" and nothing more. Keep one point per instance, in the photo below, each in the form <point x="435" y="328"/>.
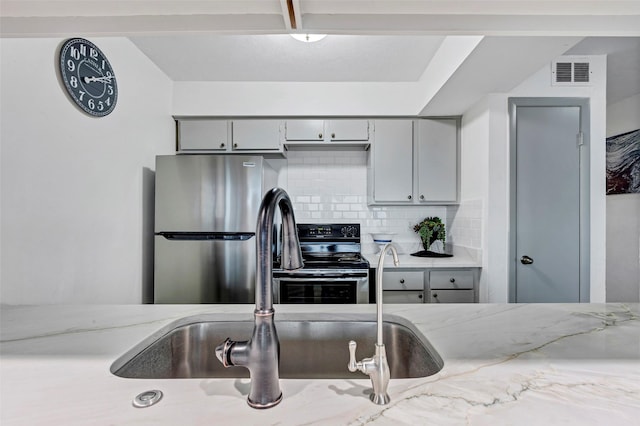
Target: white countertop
<point x="504" y="365"/>
<point x="461" y="259"/>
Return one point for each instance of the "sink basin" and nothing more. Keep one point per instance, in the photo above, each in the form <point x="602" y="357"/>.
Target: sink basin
<point x="311" y="347"/>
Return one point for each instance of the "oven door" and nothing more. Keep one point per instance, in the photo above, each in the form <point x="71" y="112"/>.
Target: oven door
<point x="321" y="289"/>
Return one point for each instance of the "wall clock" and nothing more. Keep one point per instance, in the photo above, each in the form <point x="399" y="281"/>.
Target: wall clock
<point x="88" y="77"/>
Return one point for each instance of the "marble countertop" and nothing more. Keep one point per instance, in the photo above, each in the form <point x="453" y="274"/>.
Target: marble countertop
<point x="540" y="364"/>
<point x="460" y="259"/>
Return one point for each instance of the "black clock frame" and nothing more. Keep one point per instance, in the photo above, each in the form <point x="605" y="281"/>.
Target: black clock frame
<point x="88" y="77"/>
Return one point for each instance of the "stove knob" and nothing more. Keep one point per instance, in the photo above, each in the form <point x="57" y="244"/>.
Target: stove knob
<point x="349" y="231"/>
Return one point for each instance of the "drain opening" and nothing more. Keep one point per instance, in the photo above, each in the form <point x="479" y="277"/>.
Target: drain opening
<point x="147" y="399"/>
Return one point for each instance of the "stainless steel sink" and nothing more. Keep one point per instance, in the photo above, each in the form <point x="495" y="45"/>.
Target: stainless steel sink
<point x="311" y="347"/>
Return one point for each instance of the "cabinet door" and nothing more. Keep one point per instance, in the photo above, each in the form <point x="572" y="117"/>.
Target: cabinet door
<point x="451" y="296"/>
<point x="304" y="130"/>
<point x="256" y="135"/>
<point x="390" y="296"/>
<point x="437" y="153"/>
<point x="392" y="164"/>
<point x="210" y="135"/>
<point x="348" y="130"/>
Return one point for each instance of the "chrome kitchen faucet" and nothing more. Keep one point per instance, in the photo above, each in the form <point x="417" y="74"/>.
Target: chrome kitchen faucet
<point x="261" y="354"/>
<point x="376" y="367"/>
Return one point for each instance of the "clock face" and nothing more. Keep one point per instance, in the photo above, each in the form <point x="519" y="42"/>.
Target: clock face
<point x="88" y="77"/>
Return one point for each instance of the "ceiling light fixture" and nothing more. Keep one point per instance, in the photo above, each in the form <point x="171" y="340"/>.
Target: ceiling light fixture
<point x="308" y="38"/>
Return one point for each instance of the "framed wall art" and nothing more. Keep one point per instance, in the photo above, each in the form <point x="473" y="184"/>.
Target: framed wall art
<point x="623" y="163"/>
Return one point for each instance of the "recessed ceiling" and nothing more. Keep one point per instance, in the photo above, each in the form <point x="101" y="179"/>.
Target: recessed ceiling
<point x="623" y="63"/>
<point x="348" y="58"/>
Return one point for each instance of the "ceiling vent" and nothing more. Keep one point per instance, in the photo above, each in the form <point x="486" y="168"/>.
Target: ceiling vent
<point x="571" y="72"/>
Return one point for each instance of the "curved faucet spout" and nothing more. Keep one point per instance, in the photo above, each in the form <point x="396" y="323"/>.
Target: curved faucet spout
<point x="291" y="254"/>
<point x="261" y="354"/>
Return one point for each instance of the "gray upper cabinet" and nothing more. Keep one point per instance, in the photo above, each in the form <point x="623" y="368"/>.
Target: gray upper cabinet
<point x="202" y="134"/>
<point x="255" y="135"/>
<point x="437" y="154"/>
<point x="414" y="162"/>
<point x="208" y="135"/>
<point x="390" y="174"/>
<point x="326" y="133"/>
<point x="304" y="130"/>
<point x="348" y="130"/>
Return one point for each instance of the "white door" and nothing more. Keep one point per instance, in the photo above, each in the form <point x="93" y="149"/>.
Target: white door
<point x="548" y="218"/>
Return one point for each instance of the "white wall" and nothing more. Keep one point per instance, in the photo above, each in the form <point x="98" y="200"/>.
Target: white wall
<point x="77" y="191"/>
<point x="295" y="99"/>
<point x="474" y="185"/>
<point x="492" y="112"/>
<point x="623" y="216"/>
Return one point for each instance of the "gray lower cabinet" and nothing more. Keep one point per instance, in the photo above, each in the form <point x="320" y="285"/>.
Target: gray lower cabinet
<point x="418" y="285"/>
<point x="451" y="296"/>
<point x="452" y="286"/>
<point x="406" y="296"/>
<point x="403" y="286"/>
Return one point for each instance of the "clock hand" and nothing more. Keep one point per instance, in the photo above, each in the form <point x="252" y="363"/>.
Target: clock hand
<point x="102" y="79"/>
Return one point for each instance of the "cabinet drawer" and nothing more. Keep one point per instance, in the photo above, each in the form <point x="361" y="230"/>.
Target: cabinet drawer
<point x="390" y="296"/>
<point x="399" y="280"/>
<point x="451" y="296"/>
<point x="451" y="280"/>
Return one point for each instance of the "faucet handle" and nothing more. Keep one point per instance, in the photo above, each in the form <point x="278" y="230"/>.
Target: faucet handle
<point x="353" y="365"/>
<point x="222" y="352"/>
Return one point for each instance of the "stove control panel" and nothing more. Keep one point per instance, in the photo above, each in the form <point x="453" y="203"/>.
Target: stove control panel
<point x="329" y="232"/>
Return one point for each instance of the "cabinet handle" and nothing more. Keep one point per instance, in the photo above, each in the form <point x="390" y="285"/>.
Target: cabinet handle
<point x="333" y="135"/>
<point x="422" y="197"/>
<point x="452" y="280"/>
<point x="409" y="197"/>
<point x="401" y="280"/>
<point x="221" y="145"/>
<point x="435" y="295"/>
<point x="235" y="145"/>
<point x="319" y="135"/>
<point x="419" y="296"/>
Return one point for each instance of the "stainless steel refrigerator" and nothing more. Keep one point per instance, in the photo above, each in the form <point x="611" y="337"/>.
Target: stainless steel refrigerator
<point x="206" y="208"/>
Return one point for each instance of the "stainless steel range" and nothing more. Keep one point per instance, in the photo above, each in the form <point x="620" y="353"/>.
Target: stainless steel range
<point x="334" y="269"/>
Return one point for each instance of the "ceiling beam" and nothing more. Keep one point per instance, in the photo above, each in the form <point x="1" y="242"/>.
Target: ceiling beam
<point x="288" y="14"/>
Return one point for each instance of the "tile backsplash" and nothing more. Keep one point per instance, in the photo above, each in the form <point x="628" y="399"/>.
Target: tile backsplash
<point x="331" y="186"/>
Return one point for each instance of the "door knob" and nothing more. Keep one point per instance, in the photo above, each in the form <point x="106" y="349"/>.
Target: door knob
<point x="526" y="260"/>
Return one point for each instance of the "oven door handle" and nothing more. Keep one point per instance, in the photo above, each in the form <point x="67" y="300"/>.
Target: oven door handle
<point x="314" y="277"/>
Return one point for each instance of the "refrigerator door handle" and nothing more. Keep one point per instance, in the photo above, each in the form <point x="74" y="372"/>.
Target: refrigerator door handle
<point x="201" y="236"/>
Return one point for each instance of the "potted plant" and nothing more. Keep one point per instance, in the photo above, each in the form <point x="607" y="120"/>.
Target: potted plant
<point x="430" y="230"/>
